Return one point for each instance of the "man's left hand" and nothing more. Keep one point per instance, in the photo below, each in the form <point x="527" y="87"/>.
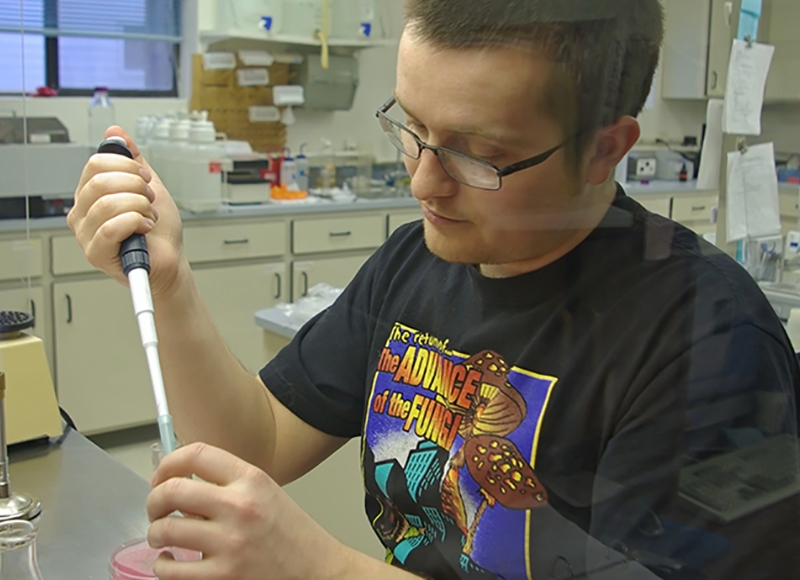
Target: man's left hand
<point x="244" y="524"/>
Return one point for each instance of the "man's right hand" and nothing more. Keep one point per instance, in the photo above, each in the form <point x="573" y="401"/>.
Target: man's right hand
<point x="118" y="197"/>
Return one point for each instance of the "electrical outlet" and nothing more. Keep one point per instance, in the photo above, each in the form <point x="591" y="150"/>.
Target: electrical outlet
<point x="646" y="167"/>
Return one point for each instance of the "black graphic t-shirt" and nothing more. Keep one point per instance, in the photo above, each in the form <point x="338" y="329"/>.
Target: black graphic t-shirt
<point x="537" y="427"/>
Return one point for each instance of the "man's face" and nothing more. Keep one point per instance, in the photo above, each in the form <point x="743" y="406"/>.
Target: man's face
<point x="488" y="104"/>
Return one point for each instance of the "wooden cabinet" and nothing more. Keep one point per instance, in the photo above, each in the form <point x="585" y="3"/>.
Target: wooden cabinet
<point x="693" y="210"/>
<point x="20" y="259"/>
<point x="780" y="26"/>
<point x="337" y="272"/>
<point x="697" y="48"/>
<point x="311" y="236"/>
<point x="233" y="294"/>
<point x="101" y="370"/>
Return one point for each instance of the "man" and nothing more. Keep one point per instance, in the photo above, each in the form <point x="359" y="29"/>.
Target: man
<point x="529" y="369"/>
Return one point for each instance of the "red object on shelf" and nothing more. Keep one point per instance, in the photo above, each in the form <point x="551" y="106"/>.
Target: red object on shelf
<point x="45" y="92"/>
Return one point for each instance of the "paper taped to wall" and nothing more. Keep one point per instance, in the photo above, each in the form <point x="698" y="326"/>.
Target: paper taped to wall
<point x="744" y="94"/>
<point x="753" y="205"/>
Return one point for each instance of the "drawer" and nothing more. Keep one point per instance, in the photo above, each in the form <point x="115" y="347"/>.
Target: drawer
<point x="234" y="241"/>
<point x="333" y="235"/>
<point x="68" y="256"/>
<point x="789" y="202"/>
<point x="657" y="205"/>
<point x="20" y="259"/>
<point x="694" y="209"/>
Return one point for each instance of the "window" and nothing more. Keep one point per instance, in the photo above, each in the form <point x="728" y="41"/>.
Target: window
<point x="129" y="46"/>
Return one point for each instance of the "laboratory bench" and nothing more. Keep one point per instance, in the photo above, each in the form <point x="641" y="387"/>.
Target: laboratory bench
<point x="90" y="504"/>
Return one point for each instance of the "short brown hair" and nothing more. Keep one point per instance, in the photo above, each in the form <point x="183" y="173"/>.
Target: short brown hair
<point x="608" y="50"/>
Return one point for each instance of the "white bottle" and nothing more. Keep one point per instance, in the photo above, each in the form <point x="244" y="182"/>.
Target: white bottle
<point x="302" y="170"/>
<point x="202" y="169"/>
<point x="171" y="174"/>
<point x="159" y="145"/>
<point x="793" y="328"/>
<point x="101" y="116"/>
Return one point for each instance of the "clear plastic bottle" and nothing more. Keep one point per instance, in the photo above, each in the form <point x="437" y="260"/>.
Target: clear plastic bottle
<point x="18" y="551"/>
<point x="328" y="172"/>
<point x="302" y="169"/>
<point x="289" y="172"/>
<point x="101" y="115"/>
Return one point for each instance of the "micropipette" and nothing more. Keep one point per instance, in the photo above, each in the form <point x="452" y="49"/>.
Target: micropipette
<point x="136" y="266"/>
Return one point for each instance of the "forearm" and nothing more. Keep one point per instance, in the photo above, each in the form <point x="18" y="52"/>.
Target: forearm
<point x="212" y="397"/>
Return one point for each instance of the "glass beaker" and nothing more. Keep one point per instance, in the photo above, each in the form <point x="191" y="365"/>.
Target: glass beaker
<point x="18" y="551"/>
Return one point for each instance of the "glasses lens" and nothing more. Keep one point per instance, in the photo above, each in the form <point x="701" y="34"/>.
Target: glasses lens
<point x="400" y="137"/>
<point x="469" y="171"/>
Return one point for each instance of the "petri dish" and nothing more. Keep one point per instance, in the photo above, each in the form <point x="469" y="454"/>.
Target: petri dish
<point x="134" y="560"/>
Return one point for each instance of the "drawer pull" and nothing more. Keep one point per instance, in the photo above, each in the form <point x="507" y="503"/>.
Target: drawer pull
<point x="340" y="234"/>
<point x="237" y="242"/>
<point x="699" y="208"/>
<point x="305" y="283"/>
<point x="33" y="312"/>
<point x="69" y="309"/>
<point x="278" y="291"/>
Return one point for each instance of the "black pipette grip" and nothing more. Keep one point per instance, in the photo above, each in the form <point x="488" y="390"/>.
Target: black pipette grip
<point x="133" y="251"/>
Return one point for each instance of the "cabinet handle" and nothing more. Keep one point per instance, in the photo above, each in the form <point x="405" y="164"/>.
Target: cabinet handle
<point x="715" y="78"/>
<point x="237" y="242"/>
<point x="278" y="291"/>
<point x="69" y="308"/>
<point x="698" y="208"/>
<point x="340" y="234"/>
<point x="305" y="283"/>
<point x="33" y="311"/>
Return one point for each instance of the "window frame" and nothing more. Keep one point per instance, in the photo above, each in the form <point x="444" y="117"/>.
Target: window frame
<point x="52" y="65"/>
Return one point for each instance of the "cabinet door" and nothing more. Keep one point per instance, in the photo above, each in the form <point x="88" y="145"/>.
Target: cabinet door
<point x="780" y="27"/>
<point x="233" y="295"/>
<point x="337" y="272"/>
<point x="101" y="371"/>
<point x="719" y="47"/>
<point x="685" y="52"/>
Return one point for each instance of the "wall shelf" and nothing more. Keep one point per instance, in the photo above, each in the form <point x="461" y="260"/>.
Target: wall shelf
<point x="230" y="39"/>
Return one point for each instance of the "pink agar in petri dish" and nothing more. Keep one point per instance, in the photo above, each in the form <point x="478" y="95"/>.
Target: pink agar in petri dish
<point x="134" y="560"/>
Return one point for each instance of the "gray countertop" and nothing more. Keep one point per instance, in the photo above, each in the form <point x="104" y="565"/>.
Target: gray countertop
<point x="277" y="322"/>
<point x="243" y="211"/>
<point x="90" y="505"/>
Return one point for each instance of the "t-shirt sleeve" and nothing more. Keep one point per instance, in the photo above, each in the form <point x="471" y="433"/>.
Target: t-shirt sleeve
<point x="727" y="391"/>
<point x="320" y="376"/>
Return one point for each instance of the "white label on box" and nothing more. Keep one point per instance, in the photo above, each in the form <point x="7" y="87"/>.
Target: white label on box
<point x="252" y="77"/>
<point x="256" y="58"/>
<point x="219" y="61"/>
<point x="39" y="138"/>
<point x="264" y="114"/>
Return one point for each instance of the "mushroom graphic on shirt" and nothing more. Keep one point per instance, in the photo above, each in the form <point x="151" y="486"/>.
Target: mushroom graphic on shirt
<point x="494" y="462"/>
